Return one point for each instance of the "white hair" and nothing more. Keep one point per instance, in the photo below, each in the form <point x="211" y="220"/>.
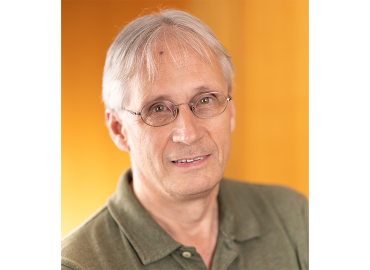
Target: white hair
<point x="131" y="59"/>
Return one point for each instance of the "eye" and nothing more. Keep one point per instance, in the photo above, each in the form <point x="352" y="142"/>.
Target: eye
<point x="205" y="100"/>
<point x="158" y="108"/>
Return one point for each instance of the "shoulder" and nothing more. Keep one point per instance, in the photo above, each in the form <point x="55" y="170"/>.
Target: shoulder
<point x="85" y="231"/>
<point x="280" y="211"/>
<point x="290" y="205"/>
<point x="80" y="247"/>
<point x="274" y="194"/>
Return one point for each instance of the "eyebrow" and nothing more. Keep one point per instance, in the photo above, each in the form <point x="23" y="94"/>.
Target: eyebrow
<point x="197" y="90"/>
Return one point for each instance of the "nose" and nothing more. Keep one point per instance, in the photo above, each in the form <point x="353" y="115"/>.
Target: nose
<point x="186" y="127"/>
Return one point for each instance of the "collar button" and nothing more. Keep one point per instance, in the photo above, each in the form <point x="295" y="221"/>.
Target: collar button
<point x="186" y="254"/>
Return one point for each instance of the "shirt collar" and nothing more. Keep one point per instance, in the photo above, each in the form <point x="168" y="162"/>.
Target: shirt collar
<point x="151" y="242"/>
<point x="147" y="237"/>
<point x="237" y="221"/>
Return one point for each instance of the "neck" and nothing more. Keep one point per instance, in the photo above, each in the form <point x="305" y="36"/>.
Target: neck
<point x="190" y="221"/>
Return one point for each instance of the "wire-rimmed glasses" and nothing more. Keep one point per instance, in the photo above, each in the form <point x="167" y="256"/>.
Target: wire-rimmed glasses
<point x="162" y="112"/>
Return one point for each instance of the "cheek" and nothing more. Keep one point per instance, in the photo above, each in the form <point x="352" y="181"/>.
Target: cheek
<point x="152" y="145"/>
<point x="222" y="137"/>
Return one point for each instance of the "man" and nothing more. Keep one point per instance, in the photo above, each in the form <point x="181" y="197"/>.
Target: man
<point x="167" y="88"/>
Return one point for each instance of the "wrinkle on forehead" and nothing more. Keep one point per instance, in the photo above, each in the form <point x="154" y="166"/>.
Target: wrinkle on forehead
<point x="167" y="44"/>
<point x="170" y="54"/>
<point x="172" y="60"/>
<point x="179" y="45"/>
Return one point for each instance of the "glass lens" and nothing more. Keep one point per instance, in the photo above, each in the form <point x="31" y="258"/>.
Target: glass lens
<point x="158" y="113"/>
<point x="208" y="105"/>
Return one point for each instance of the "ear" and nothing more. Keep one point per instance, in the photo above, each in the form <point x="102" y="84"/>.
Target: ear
<point x="233" y="116"/>
<point x="116" y="130"/>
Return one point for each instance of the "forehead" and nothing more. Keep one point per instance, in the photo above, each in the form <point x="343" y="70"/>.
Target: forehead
<point x="181" y="72"/>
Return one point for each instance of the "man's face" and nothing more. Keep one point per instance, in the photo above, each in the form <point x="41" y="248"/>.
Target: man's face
<point x="154" y="150"/>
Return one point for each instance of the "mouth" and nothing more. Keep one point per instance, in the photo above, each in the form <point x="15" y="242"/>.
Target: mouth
<point x="189" y="160"/>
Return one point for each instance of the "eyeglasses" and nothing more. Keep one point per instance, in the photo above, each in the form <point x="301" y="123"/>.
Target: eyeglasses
<point x="162" y="112"/>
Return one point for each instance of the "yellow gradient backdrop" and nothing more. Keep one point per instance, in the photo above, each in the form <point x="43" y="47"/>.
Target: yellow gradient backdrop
<point x="268" y="40"/>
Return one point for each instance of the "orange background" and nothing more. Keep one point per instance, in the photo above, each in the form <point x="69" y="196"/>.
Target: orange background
<point x="268" y="40"/>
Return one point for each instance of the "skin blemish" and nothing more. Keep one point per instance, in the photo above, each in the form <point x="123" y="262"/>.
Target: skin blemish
<point x="161" y="52"/>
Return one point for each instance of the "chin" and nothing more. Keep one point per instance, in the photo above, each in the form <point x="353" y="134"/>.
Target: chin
<point x="192" y="187"/>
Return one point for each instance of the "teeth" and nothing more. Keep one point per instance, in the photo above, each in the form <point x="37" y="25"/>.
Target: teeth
<point x="189" y="160"/>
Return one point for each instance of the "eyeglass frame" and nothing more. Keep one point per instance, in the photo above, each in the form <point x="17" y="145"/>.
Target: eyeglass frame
<point x="176" y="106"/>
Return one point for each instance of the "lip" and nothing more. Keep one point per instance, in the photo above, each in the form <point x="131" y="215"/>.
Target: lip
<point x="191" y="164"/>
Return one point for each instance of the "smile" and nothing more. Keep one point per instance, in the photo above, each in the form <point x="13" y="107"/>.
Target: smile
<point x="188" y="160"/>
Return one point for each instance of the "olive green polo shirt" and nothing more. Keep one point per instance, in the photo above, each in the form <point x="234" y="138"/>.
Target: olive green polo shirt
<point x="261" y="227"/>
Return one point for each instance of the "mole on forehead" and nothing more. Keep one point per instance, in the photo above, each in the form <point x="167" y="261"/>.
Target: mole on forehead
<point x="171" y="55"/>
